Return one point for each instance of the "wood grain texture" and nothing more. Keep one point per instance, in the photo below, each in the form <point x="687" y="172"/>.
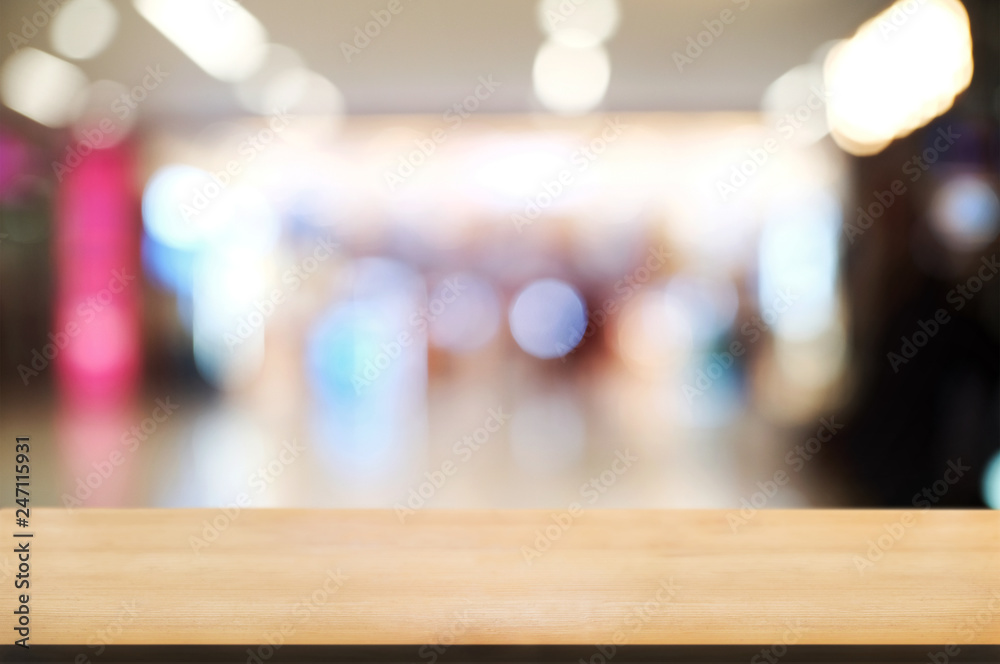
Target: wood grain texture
<point x="129" y="577"/>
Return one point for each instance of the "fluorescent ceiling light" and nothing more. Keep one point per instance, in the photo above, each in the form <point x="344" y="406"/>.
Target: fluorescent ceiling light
<point x="222" y="38"/>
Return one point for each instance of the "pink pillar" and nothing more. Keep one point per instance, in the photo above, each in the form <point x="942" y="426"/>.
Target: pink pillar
<point x="98" y="291"/>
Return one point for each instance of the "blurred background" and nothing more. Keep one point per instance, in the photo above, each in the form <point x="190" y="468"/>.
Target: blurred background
<point x="510" y="254"/>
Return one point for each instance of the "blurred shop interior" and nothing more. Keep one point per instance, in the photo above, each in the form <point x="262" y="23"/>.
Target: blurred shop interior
<point x="467" y="255"/>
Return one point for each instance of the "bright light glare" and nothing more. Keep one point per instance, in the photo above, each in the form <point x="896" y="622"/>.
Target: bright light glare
<point x="228" y="332"/>
<point x="183" y="206"/>
<point x="41" y="86"/>
<point x="581" y="23"/>
<point x="571" y="80"/>
<point x="222" y="38"/>
<point x="799" y="266"/>
<point x="901" y="69"/>
<point x="515" y="172"/>
<point x="83" y="28"/>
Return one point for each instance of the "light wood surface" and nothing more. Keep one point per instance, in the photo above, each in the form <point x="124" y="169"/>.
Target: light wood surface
<point x="637" y="577"/>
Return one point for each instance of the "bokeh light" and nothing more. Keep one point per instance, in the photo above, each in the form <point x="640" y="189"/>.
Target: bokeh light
<point x="991" y="482"/>
<point x="183" y="207"/>
<point x="224" y="39"/>
<point x="82" y="29"/>
<point x="41" y="86"/>
<point x="571" y="80"/>
<point x="548" y="318"/>
<point x="965" y="212"/>
<point x="799" y="257"/>
<point x="901" y="69"/>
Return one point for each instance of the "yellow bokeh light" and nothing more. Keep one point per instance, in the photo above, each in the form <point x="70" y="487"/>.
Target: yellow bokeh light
<point x="901" y="69"/>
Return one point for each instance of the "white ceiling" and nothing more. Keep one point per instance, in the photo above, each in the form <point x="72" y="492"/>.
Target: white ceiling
<point x="431" y="54"/>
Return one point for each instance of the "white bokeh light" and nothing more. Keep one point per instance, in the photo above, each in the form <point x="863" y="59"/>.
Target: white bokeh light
<point x="570" y="80"/>
<point x="901" y="69"/>
<point x="222" y="38"/>
<point x="41" y="86"/>
<point x="83" y="28"/>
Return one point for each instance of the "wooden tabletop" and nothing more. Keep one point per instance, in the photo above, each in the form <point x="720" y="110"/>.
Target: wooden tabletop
<point x="140" y="576"/>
